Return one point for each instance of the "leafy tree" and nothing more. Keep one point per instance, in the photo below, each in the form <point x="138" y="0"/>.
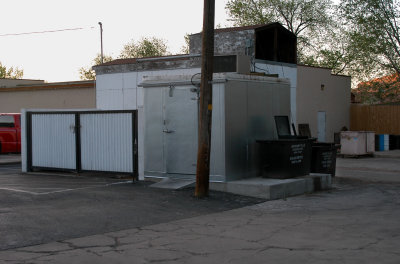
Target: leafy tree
<point x="185" y="49"/>
<point x="86" y="73"/>
<point x="11" y="73"/>
<point x="146" y="47"/>
<point x="301" y="17"/>
<point x="337" y="51"/>
<point x="375" y="32"/>
<point x="380" y="90"/>
<point x="322" y="39"/>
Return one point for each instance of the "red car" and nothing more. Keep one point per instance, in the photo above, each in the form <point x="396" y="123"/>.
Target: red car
<point x="10" y="133"/>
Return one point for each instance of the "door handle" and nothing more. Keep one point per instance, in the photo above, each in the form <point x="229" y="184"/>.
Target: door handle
<point x="167" y="131"/>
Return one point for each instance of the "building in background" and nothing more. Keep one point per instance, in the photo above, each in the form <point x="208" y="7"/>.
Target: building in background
<point x="19" y="94"/>
<point x="317" y="97"/>
<point x="6" y="82"/>
<point x="323" y="101"/>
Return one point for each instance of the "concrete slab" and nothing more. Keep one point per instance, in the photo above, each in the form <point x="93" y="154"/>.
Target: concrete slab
<point x="394" y="154"/>
<point x="173" y="183"/>
<point x="375" y="169"/>
<point x="272" y="189"/>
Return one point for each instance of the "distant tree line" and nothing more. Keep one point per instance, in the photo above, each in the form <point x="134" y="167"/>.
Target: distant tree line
<point x="145" y="47"/>
<point x="11" y="72"/>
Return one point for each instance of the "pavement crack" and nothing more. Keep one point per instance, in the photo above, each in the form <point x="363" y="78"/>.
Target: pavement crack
<point x="76" y="247"/>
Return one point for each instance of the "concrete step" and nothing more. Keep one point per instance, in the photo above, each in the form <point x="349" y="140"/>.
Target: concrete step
<point x="272" y="189"/>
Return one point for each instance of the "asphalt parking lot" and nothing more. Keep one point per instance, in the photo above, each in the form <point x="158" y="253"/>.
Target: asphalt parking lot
<point x="43" y="207"/>
<point x="68" y="219"/>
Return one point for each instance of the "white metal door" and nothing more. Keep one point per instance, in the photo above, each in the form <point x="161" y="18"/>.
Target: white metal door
<point x="107" y="142"/>
<point x="180" y="130"/>
<point x="322" y="126"/>
<point x="53" y="141"/>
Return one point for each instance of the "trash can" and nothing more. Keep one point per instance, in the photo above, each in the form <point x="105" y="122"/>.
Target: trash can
<point x="284" y="158"/>
<point x="394" y="142"/>
<point x="323" y="158"/>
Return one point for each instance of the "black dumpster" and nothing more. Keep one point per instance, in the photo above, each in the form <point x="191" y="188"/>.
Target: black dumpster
<point x="394" y="142"/>
<point x="284" y="158"/>
<point x="323" y="158"/>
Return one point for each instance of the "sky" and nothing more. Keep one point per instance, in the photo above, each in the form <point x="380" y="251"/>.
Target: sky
<point x="57" y="56"/>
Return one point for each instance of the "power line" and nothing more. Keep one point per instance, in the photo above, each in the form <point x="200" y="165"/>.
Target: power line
<point x="43" y="32"/>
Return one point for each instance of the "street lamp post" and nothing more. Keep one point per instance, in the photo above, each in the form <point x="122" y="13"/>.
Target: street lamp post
<point x="101" y="40"/>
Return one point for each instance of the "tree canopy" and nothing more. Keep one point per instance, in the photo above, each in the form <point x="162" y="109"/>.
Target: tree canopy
<point x="375" y="32"/>
<point x="185" y="49"/>
<point x="304" y="18"/>
<point x="11" y="73"/>
<point x="379" y="91"/>
<point x="145" y="47"/>
<point x="358" y="37"/>
<point x="87" y="73"/>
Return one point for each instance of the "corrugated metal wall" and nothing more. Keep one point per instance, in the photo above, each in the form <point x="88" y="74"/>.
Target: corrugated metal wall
<point x="53" y="141"/>
<point x="83" y="140"/>
<point x="106" y="142"/>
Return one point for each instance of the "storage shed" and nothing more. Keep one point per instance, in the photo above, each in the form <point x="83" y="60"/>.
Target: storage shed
<point x="243" y="108"/>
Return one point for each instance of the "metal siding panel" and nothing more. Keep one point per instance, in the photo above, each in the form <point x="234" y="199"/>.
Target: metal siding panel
<point x="53" y="141"/>
<point x="154" y="160"/>
<point x="235" y="129"/>
<point x="217" y="159"/>
<point x="284" y="72"/>
<point x="106" y="142"/>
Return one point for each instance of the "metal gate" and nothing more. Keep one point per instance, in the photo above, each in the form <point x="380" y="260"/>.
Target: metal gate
<point x="83" y="141"/>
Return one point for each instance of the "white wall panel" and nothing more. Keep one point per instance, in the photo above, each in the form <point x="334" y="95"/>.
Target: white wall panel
<point x="106" y="142"/>
<point x="53" y="141"/>
<point x="129" y="80"/>
<point x="129" y="99"/>
<point x="109" y="81"/>
<point x="110" y="100"/>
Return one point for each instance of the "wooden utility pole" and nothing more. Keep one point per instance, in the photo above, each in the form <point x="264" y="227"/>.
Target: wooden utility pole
<point x="205" y="115"/>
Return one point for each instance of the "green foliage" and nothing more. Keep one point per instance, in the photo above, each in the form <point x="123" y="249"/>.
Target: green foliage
<point x="185" y="49"/>
<point x="86" y="73"/>
<point x="301" y="17"/>
<point x="249" y="12"/>
<point x="319" y="35"/>
<point x="379" y="91"/>
<point x="11" y="73"/>
<point x="146" y="47"/>
<point x="358" y="38"/>
<point x="375" y="32"/>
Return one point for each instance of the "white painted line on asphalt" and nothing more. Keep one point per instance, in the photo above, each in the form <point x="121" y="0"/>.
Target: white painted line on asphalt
<point x="17" y="190"/>
<point x="62" y="190"/>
